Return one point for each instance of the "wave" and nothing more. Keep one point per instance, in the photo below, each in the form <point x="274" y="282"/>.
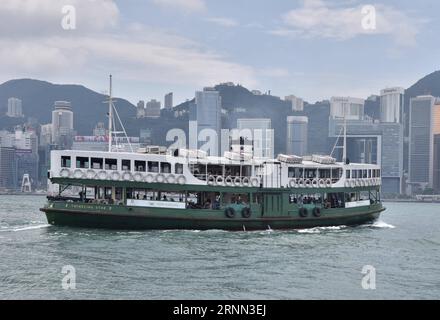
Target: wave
<point x="382" y="224"/>
<point x="30" y="227"/>
<point x="321" y="229"/>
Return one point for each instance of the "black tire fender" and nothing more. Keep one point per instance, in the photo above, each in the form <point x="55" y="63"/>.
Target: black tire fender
<point x="230" y="213"/>
<point x="246" y="213"/>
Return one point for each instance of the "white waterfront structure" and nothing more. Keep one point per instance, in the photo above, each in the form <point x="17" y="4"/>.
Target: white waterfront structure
<point x="15" y="108"/>
<point x="352" y="108"/>
<point x="391" y="104"/>
<point x="262" y="136"/>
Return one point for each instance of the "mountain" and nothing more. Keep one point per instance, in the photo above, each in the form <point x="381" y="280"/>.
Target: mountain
<point x="39" y="96"/>
<point x="427" y="85"/>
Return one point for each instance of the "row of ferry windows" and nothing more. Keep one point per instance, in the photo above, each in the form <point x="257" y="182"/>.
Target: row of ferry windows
<point x="312" y="173"/>
<point x="362" y="174"/>
<point x="126" y="165"/>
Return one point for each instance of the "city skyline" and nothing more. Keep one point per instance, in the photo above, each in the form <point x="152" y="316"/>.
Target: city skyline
<point x="182" y="42"/>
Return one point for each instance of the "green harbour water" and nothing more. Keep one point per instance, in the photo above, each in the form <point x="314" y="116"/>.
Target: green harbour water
<point x="320" y="263"/>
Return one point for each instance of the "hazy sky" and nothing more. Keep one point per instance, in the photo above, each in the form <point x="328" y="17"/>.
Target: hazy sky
<point x="311" y="48"/>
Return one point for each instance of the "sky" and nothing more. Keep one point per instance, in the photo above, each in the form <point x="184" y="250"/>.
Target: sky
<point x="310" y="48"/>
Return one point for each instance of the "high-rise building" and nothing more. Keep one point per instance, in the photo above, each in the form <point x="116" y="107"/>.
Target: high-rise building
<point x="436" y="179"/>
<point x="262" y="136"/>
<point x="99" y="130"/>
<point x="8" y="168"/>
<point x="62" y="124"/>
<point x="46" y="134"/>
<point x="14" y="108"/>
<point x="168" y="101"/>
<point x="352" y="108"/>
<point x="153" y="109"/>
<point x="297" y="131"/>
<point x="207" y="112"/>
<point x="140" y="109"/>
<point x="297" y="103"/>
<point x="391" y="104"/>
<point x="424" y="124"/>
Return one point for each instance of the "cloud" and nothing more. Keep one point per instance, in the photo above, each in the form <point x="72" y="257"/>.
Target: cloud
<point x="224" y="22"/>
<point x="274" y="72"/>
<point x="188" y="6"/>
<point x="317" y="19"/>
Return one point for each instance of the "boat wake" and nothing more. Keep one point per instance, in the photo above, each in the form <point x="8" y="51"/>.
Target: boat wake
<point x="24" y="228"/>
<point x="382" y="224"/>
<point x="321" y="229"/>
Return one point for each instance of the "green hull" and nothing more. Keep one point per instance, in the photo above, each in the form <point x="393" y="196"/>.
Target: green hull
<point x="137" y="218"/>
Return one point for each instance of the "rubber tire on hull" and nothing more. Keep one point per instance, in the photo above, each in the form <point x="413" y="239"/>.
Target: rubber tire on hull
<point x="230" y="213"/>
<point x="317" y="212"/>
<point x="246" y="213"/>
<point x="303" y="212"/>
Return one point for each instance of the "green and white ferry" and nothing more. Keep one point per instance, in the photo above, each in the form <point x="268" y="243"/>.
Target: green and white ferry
<point x="186" y="189"/>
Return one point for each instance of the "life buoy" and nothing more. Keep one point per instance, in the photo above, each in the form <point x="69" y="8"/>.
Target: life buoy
<point x="347" y="183"/>
<point x="321" y="183"/>
<point x="307" y="183"/>
<point x="315" y="183"/>
<point x="219" y="181"/>
<point x="228" y="181"/>
<point x="181" y="180"/>
<point x="317" y="212"/>
<point x="292" y="183"/>
<point x="303" y="212"/>
<point x="137" y="176"/>
<point x="65" y="173"/>
<point x="246" y="213"/>
<point x="246" y="182"/>
<point x="115" y="175"/>
<point x="171" y="179"/>
<point x="90" y="174"/>
<point x="301" y="183"/>
<point x="78" y="174"/>
<point x="255" y="182"/>
<point x="237" y="182"/>
<point x="230" y="213"/>
<point x="160" y="178"/>
<point x="149" y="178"/>
<point x="352" y="183"/>
<point x="210" y="181"/>
<point x="358" y="182"/>
<point x="102" y="175"/>
<point x="127" y="176"/>
<point x="328" y="183"/>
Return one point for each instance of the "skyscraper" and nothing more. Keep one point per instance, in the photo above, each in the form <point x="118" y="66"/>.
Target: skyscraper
<point x="153" y="109"/>
<point x="14" y="108"/>
<point x="391" y="105"/>
<point x="62" y="124"/>
<point x="262" y="134"/>
<point x="168" y="101"/>
<point x="140" y="109"/>
<point x="353" y="108"/>
<point x="297" y="103"/>
<point x="207" y="113"/>
<point x="424" y="124"/>
<point x="297" y="130"/>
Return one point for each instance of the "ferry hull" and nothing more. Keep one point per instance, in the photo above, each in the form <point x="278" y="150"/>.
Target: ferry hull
<point x="152" y="219"/>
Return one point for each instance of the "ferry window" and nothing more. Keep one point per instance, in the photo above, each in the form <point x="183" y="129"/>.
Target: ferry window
<point x="178" y="168"/>
<point x="378" y="173"/>
<point x="126" y="165"/>
<point x="139" y="165"/>
<point x="347" y="174"/>
<point x="369" y="173"/>
<point x="291" y="173"/>
<point x="111" y="164"/>
<point x="359" y="174"/>
<point x="97" y="163"/>
<point x="310" y="173"/>
<point x="324" y="173"/>
<point x="364" y="174"/>
<point x="65" y="162"/>
<point x="336" y="173"/>
<point x="153" y="166"/>
<point x="215" y="170"/>
<point x="165" y="167"/>
<point x="295" y="172"/>
<point x="82" y="162"/>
